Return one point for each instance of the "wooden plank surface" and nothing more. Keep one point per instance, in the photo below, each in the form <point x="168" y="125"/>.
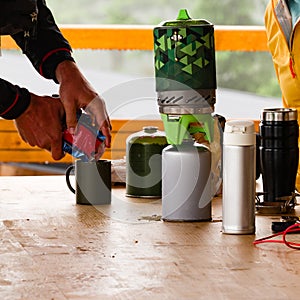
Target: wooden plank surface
<point x="52" y="248"/>
<point x="13" y="149"/>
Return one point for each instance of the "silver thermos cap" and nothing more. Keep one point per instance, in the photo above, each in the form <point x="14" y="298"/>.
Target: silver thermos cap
<point x="279" y="114"/>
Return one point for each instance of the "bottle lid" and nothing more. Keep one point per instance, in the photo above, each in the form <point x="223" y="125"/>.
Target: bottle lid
<point x="184" y="19"/>
<point x="183" y="15"/>
<point x="150" y="129"/>
<point x="239" y="133"/>
<point x="279" y="114"/>
<point x="149" y="135"/>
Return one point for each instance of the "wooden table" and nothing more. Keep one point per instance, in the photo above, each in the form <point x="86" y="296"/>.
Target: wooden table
<point x="52" y="248"/>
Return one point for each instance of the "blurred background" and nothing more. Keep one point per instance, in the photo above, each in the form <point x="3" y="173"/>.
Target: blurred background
<point x="251" y="72"/>
<point x="244" y="71"/>
<point x="246" y="80"/>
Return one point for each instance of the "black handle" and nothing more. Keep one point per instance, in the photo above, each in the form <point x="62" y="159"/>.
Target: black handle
<point x="68" y="172"/>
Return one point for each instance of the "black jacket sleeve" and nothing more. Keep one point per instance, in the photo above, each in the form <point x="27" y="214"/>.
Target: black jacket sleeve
<point x="49" y="48"/>
<point x="45" y="51"/>
<point x="13" y="100"/>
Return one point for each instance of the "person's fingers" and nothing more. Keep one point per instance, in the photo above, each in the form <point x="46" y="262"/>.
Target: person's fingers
<point x="56" y="148"/>
<point x="21" y="133"/>
<point x="28" y="136"/>
<point x="70" y="112"/>
<point x="97" y="111"/>
<point x="56" y="152"/>
<point x="41" y="124"/>
<point x="106" y="132"/>
<point x="71" y="118"/>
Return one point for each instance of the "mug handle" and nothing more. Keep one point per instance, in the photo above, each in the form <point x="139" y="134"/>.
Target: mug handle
<point x="68" y="172"/>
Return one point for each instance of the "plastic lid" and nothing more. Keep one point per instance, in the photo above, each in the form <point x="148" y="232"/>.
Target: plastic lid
<point x="279" y="114"/>
<point x="150" y="129"/>
<point x="184" y="19"/>
<point x="149" y="134"/>
<point x="239" y="133"/>
<point x="183" y="15"/>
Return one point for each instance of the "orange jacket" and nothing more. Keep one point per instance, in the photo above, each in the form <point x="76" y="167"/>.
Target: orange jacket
<point x="284" y="45"/>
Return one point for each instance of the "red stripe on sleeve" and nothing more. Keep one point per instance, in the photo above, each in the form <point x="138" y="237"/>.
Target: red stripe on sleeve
<point x="11" y="106"/>
<point x="48" y="55"/>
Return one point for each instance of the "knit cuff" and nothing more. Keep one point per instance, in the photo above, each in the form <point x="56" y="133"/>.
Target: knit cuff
<point x="52" y="59"/>
<point x="13" y="108"/>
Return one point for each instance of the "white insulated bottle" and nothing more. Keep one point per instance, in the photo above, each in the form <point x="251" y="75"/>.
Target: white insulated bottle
<point x="239" y="165"/>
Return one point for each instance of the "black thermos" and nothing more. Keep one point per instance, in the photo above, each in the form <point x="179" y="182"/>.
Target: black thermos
<point x="278" y="152"/>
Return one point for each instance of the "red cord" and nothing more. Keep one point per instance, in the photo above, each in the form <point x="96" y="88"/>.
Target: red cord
<point x="293" y="228"/>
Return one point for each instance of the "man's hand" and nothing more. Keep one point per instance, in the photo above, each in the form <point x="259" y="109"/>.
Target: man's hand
<point x="42" y="124"/>
<point x="76" y="92"/>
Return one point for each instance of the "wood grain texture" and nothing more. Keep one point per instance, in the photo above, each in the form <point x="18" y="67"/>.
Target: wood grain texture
<point x="52" y="248"/>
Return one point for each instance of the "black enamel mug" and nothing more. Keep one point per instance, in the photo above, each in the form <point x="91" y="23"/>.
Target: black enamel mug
<point x="92" y="182"/>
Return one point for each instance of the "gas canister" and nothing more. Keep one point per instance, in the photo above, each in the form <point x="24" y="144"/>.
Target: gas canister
<point x="143" y="162"/>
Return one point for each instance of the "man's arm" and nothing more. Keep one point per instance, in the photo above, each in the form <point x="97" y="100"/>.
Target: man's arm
<point x="13" y="100"/>
<point x="49" y="48"/>
<point x="50" y="54"/>
<point x="45" y="52"/>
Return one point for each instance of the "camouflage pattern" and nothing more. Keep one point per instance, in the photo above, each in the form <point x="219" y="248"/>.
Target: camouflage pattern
<point x="185" y="55"/>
